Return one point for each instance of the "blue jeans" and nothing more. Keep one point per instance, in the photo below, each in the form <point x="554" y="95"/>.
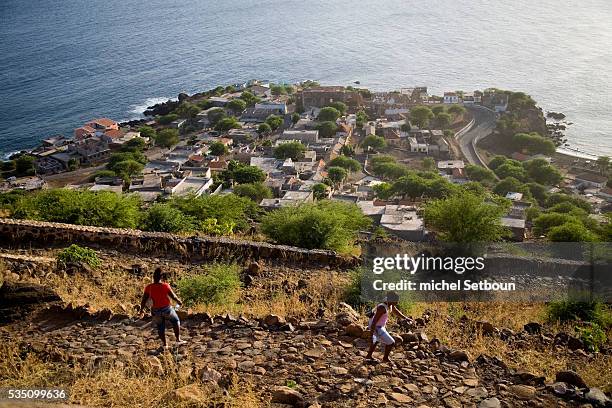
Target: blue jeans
<point x="160" y="316"/>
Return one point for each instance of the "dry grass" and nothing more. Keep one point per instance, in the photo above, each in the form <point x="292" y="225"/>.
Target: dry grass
<point x="535" y="358"/>
<point x="118" y="384"/>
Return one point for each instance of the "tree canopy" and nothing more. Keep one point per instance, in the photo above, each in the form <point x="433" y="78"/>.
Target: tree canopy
<point x="329" y="114"/>
<point x="420" y="116"/>
<point x="167" y="137"/>
<point x="465" y="217"/>
<point x="374" y="142"/>
<point x="293" y="150"/>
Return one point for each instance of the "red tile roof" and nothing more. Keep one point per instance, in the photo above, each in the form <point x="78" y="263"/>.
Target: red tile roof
<point x="114" y="134"/>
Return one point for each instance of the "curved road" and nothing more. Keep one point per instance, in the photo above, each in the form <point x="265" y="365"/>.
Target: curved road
<point x="484" y="124"/>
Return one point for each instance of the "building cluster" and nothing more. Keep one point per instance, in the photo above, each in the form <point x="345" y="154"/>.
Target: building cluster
<point x="92" y="144"/>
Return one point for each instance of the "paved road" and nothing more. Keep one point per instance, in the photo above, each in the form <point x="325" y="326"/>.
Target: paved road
<point x="483" y="126"/>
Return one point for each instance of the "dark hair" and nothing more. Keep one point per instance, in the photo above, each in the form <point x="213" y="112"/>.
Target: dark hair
<point x="157" y="275"/>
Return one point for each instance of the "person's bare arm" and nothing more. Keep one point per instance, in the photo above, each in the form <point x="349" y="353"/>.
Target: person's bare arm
<point x="399" y="313"/>
<point x="175" y="298"/>
<point x="143" y="301"/>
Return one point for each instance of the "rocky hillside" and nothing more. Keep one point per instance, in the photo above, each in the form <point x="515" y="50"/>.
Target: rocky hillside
<point x="288" y="341"/>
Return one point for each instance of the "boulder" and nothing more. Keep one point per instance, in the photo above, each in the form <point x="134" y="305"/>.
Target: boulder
<point x="533" y="328"/>
<point x="570" y="377"/>
<point x="207" y="374"/>
<point x="410" y="338"/>
<point x="524" y="392"/>
<point x="486" y="328"/>
<point x="272" y="320"/>
<point x="490" y="403"/>
<point x="459" y="355"/>
<point x="286" y="395"/>
<point x="597" y="397"/>
<point x="354" y="330"/>
<point x="189" y="394"/>
<point x="574" y="343"/>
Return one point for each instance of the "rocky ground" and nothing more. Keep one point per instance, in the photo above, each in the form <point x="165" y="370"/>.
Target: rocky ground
<point x="296" y="363"/>
<point x="312" y="358"/>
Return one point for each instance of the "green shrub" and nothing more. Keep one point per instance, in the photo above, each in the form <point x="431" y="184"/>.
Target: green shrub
<point x="352" y="293"/>
<point x="587" y="311"/>
<point x="592" y="336"/>
<point x="164" y="218"/>
<point x="324" y="225"/>
<point x="77" y="254"/>
<point x="219" y="285"/>
<point x="98" y="209"/>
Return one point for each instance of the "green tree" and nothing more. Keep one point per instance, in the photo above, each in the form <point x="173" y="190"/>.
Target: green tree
<point x="135" y="144"/>
<point x="383" y="191"/>
<point x="320" y="191"/>
<point x="429" y="164"/>
<point x="511" y="170"/>
<point x="274" y="121"/>
<point x="128" y="168"/>
<point x="167" y="138"/>
<point x="438" y="109"/>
<point x="165" y="218"/>
<point x="361" y="119"/>
<point x="328" y="114"/>
<point x="420" y="116"/>
<point x="326" y="225"/>
<point x="540" y="171"/>
<point x="253" y="191"/>
<point x="218" y="149"/>
<point x="249" y="175"/>
<point x="480" y="174"/>
<point x="465" y="218"/>
<point x="295" y="118"/>
<point x="543" y="223"/>
<point x="347" y="150"/>
<point x="215" y="116"/>
<point x="337" y="174"/>
<point x="570" y="232"/>
<point x="187" y="110"/>
<point x="507" y="185"/>
<point x="497" y="161"/>
<point x="167" y="119"/>
<point x="226" y="124"/>
<point x="25" y="165"/>
<point x="293" y="150"/>
<point x="443" y="120"/>
<point x="374" y="142"/>
<point x="533" y="143"/>
<point x="249" y="98"/>
<point x="147" y="132"/>
<point x="604" y="165"/>
<point x="456" y="110"/>
<point x="264" y="129"/>
<point x="237" y="106"/>
<point x="327" y="129"/>
<point x="347" y="163"/>
<point x="339" y="106"/>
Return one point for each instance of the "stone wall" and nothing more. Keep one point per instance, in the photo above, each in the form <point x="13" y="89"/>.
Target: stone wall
<point x="20" y="233"/>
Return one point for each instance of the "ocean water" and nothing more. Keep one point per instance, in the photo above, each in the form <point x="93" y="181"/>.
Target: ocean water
<point x="64" y="62"/>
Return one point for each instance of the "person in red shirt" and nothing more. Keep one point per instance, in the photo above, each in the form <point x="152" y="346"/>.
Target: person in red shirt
<point x="160" y="293"/>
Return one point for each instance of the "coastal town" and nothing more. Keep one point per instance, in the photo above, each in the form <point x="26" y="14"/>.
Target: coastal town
<point x="286" y="145"/>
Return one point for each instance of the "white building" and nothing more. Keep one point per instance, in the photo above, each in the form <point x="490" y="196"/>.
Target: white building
<point x="451" y="98"/>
